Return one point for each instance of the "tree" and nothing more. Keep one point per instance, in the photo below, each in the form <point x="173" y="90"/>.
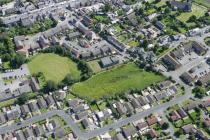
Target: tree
<point x="50" y="86"/>
<point x="68" y="80"/>
<point x="18" y="60"/>
<point x="22" y="99"/>
<point x="193" y="18"/>
<point x="165" y="126"/>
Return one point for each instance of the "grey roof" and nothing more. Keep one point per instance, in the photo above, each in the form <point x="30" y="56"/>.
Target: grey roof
<point x="41" y="103"/>
<point x="2" y="118"/>
<point x="19" y="135"/>
<point x="129" y="131"/>
<point x="50" y="100"/>
<point x="142" y="125"/>
<point x="128" y="107"/>
<point x="120" y="108"/>
<point x="24" y="109"/>
<point x="33" y="106"/>
<point x="73" y="103"/>
<point x="59" y="133"/>
<point x="28" y="133"/>
<point x="135" y="103"/>
<point x="82" y="115"/>
<point x="38" y="131"/>
<point x="54" y="123"/>
<point x="85" y="122"/>
<point x="119" y="136"/>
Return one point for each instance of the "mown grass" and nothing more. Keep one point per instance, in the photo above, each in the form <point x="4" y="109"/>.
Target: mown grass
<point x="54" y="67"/>
<point x="114" y="81"/>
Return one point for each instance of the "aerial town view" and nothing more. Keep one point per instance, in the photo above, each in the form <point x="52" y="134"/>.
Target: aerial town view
<point x="104" y="69"/>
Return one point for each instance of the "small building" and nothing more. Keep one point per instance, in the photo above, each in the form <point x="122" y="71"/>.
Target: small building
<point x="129" y="132"/>
<point x="109" y="61"/>
<point x="41" y="103"/>
<point x="185" y="6"/>
<point x="160" y="25"/>
<point x="152" y="120"/>
<point x="142" y="126"/>
<point x="50" y="101"/>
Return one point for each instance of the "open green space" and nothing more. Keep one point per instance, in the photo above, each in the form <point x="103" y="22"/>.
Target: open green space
<point x="53" y="67"/>
<point x="205" y="3"/>
<point x="117" y="80"/>
<point x="197" y="10"/>
<point x="94" y="65"/>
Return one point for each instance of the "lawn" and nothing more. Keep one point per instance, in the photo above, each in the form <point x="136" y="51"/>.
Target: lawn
<point x="205" y="3"/>
<point x="94" y="65"/>
<point x="197" y="10"/>
<point x="133" y="43"/>
<point x="117" y="80"/>
<point x="54" y="67"/>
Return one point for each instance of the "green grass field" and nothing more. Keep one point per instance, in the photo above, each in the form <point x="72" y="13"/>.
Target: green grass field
<point x="54" y="67"/>
<point x="117" y="80"/>
<point x="205" y="3"/>
<point x="197" y="10"/>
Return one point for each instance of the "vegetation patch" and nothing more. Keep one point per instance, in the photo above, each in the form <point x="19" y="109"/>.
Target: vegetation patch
<point x="118" y="80"/>
<point x="54" y="67"/>
<point x="197" y="10"/>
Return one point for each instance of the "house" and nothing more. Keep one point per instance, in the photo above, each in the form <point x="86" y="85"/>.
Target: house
<point x="198" y="48"/>
<point x="171" y="63"/>
<point x="129" y="132"/>
<point x="28" y="133"/>
<point x="151" y="17"/>
<point x="174" y="116"/>
<point x="119" y="46"/>
<point x="54" y="124"/>
<point x="81" y="115"/>
<point x="86" y="123"/>
<point x="35" y="84"/>
<point x="44" y="42"/>
<point x="160" y="25"/>
<point x="38" y="131"/>
<point x="24" y="109"/>
<point x="60" y="95"/>
<point x="204" y="79"/>
<point x="206" y="122"/>
<point x="118" y="136"/>
<point x="87" y="21"/>
<point x="41" y="103"/>
<point x="187" y="78"/>
<point x="33" y="106"/>
<point x="152" y="120"/>
<point x="188" y="128"/>
<point x="206" y="103"/>
<point x="50" y="101"/>
<point x="78" y="108"/>
<point x="152" y="133"/>
<point x="142" y="100"/>
<point x="19" y="135"/>
<point x="2" y="118"/>
<point x="12" y="114"/>
<point x="59" y="133"/>
<point x="150" y="98"/>
<point x="74" y="102"/>
<point x="132" y="18"/>
<point x="185" y="6"/>
<point x="178" y="53"/>
<point x="165" y="84"/>
<point x="129" y="108"/>
<point x="142" y="126"/>
<point x="73" y="35"/>
<point x="103" y="115"/>
<point x="135" y="103"/>
<point x="182" y="113"/>
<point x="190" y="107"/>
<point x="109" y="61"/>
<point x="120" y="108"/>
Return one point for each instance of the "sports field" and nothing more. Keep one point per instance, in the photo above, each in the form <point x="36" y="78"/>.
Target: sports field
<point x="54" y="67"/>
<point x="117" y="80"/>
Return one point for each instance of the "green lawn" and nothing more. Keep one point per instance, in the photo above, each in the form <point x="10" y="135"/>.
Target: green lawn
<point x="197" y="10"/>
<point x="203" y="2"/>
<point x="117" y="80"/>
<point x="133" y="43"/>
<point x="94" y="65"/>
<point x="54" y="67"/>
